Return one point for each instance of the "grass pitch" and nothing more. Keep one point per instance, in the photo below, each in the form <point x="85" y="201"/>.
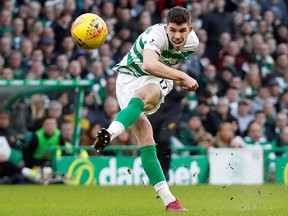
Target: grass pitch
<point x="205" y="200"/>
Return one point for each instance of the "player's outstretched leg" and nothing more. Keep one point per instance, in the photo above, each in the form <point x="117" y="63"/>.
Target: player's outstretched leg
<point x="123" y="120"/>
<point x="102" y="140"/>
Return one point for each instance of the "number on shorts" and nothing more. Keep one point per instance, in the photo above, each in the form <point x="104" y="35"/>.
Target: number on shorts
<point x="163" y="84"/>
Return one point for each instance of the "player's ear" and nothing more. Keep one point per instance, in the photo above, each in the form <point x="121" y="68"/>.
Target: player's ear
<point x="190" y="28"/>
<point x="165" y="28"/>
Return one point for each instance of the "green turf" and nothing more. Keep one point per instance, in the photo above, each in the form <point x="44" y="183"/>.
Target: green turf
<point x="205" y="200"/>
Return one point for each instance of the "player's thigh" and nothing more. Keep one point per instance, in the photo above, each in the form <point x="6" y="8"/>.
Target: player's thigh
<point x="150" y="94"/>
<point x="143" y="132"/>
<point x="150" y="89"/>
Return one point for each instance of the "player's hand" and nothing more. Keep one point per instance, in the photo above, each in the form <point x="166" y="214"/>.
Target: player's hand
<point x="190" y="84"/>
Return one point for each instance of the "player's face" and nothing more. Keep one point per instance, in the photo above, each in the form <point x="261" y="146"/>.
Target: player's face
<point x="178" y="34"/>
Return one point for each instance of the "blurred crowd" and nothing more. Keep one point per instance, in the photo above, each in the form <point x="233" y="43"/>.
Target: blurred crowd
<point x="241" y="65"/>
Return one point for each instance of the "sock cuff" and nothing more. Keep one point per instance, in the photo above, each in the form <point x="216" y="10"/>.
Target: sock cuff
<point x="160" y="185"/>
<point x="147" y="148"/>
<point x="138" y="102"/>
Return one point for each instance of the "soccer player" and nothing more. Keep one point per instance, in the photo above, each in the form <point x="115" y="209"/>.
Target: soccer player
<point x="145" y="77"/>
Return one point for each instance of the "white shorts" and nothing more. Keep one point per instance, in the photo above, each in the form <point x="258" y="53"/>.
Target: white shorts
<point x="126" y="86"/>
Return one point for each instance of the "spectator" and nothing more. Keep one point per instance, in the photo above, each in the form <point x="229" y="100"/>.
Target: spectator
<point x="255" y="136"/>
<point x="224" y="136"/>
<point x="84" y="122"/>
<point x="92" y="107"/>
<point x="48" y="13"/>
<point x="209" y="74"/>
<point x="215" y="23"/>
<point x="243" y="115"/>
<point x="278" y="7"/>
<point x="195" y="63"/>
<point x="283" y="102"/>
<point x="125" y="27"/>
<point x="261" y="118"/>
<point x="62" y="26"/>
<point x="206" y="141"/>
<point x="74" y="70"/>
<point x="2" y="62"/>
<point x="55" y="73"/>
<point x="34" y="9"/>
<point x="219" y="115"/>
<point x="5" y="21"/>
<point x="282" y="139"/>
<point x="62" y="62"/>
<point x="136" y="8"/>
<point x="275" y="91"/>
<point x="108" y="11"/>
<point x="251" y="84"/>
<point x="67" y="133"/>
<point x="48" y="45"/>
<point x="67" y="130"/>
<point x="111" y="107"/>
<point x="35" y="111"/>
<point x="5" y="131"/>
<point x="270" y="112"/>
<point x="55" y="109"/>
<point x="190" y="133"/>
<point x="281" y="65"/>
<point x="232" y="94"/>
<point x="82" y="58"/>
<point x="232" y="49"/>
<point x="224" y="78"/>
<point x="37" y="153"/>
<point x="37" y="68"/>
<point x="37" y="55"/>
<point x="110" y="87"/>
<point x="10" y="167"/>
<point x="261" y="98"/>
<point x="26" y="48"/>
<point x="151" y="6"/>
<point x="237" y="142"/>
<point x="68" y="47"/>
<point x="281" y="33"/>
<point x="17" y="32"/>
<point x="14" y="62"/>
<point x="64" y="99"/>
<point x="266" y="62"/>
<point x="144" y="22"/>
<point x="7" y="73"/>
<point x="96" y="73"/>
<point x="274" y="130"/>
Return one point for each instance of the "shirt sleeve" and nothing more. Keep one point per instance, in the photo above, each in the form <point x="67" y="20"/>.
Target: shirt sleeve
<point x="154" y="40"/>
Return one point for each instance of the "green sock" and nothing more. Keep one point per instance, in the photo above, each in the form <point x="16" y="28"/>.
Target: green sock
<point x="131" y="113"/>
<point x="151" y="164"/>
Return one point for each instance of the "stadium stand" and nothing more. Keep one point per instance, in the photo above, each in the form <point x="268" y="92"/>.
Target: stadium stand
<point x="242" y="60"/>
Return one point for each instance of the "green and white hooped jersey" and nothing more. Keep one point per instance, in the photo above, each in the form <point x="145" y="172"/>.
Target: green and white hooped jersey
<point x="155" y="38"/>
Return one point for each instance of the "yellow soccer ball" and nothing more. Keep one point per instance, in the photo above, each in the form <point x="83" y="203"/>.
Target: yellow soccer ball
<point x="89" y="31"/>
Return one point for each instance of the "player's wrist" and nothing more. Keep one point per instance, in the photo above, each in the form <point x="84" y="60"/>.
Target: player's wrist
<point x="182" y="77"/>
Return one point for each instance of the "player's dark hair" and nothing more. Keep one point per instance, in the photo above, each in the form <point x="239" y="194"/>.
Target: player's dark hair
<point x="178" y="15"/>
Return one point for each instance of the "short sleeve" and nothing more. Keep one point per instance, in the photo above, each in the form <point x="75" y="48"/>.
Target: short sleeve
<point x="154" y="39"/>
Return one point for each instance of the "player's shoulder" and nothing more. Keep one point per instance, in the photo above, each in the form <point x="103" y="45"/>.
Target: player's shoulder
<point x="156" y="28"/>
<point x="191" y="43"/>
<point x="192" y="38"/>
